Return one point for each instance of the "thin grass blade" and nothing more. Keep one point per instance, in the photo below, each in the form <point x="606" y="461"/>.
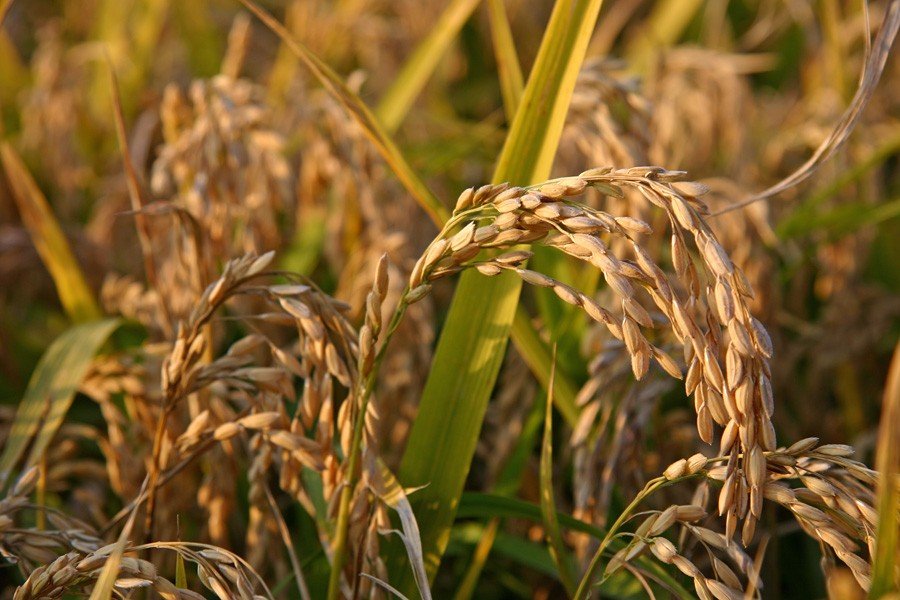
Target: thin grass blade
<point x="360" y="112"/>
<point x="886" y="570"/>
<point x="106" y="581"/>
<point x="408" y="84"/>
<point x="548" y="504"/>
<point x="74" y="293"/>
<point x="871" y="74"/>
<point x="512" y="83"/>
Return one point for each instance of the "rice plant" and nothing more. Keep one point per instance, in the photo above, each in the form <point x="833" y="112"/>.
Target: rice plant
<point x="571" y="299"/>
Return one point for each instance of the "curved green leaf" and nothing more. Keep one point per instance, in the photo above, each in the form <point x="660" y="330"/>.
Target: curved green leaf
<point x="50" y="392"/>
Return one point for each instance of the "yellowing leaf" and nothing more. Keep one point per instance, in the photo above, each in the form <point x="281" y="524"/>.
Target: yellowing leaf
<point x="52" y="246"/>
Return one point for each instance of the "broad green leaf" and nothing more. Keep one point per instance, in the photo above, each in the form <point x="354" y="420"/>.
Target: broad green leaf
<point x="885" y="573"/>
<point x="408" y="84"/>
<point x="74" y="292"/>
<point x="50" y="392"/>
<point x="469" y="353"/>
<point x="357" y="108"/>
<point x="528" y="153"/>
<point x="534" y="557"/>
<point x="480" y="505"/>
<point x="530" y="346"/>
<point x="508" y="68"/>
<point x="548" y="504"/>
<point x="446" y="429"/>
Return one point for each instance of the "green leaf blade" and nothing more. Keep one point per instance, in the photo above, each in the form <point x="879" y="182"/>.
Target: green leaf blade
<point x="50" y="392"/>
<point x="468" y="357"/>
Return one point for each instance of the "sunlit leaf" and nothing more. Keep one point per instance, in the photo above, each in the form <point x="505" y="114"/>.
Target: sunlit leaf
<point x="74" y="293"/>
<point x="467" y="361"/>
<point x="885" y="573"/>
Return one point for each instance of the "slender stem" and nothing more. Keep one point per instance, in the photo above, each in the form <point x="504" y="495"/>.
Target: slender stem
<point x="584" y="587"/>
<point x="359" y="425"/>
<point x="288" y="544"/>
<point x="154" y="470"/>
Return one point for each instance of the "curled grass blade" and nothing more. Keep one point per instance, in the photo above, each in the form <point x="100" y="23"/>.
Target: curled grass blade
<point x="388" y="489"/>
<point x="871" y="74"/>
<point x="803" y="220"/>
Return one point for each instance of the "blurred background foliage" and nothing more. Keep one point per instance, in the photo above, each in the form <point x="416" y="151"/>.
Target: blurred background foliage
<point x="738" y="93"/>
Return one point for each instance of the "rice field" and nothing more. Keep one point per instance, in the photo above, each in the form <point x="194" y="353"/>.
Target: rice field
<point x="449" y="299"/>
